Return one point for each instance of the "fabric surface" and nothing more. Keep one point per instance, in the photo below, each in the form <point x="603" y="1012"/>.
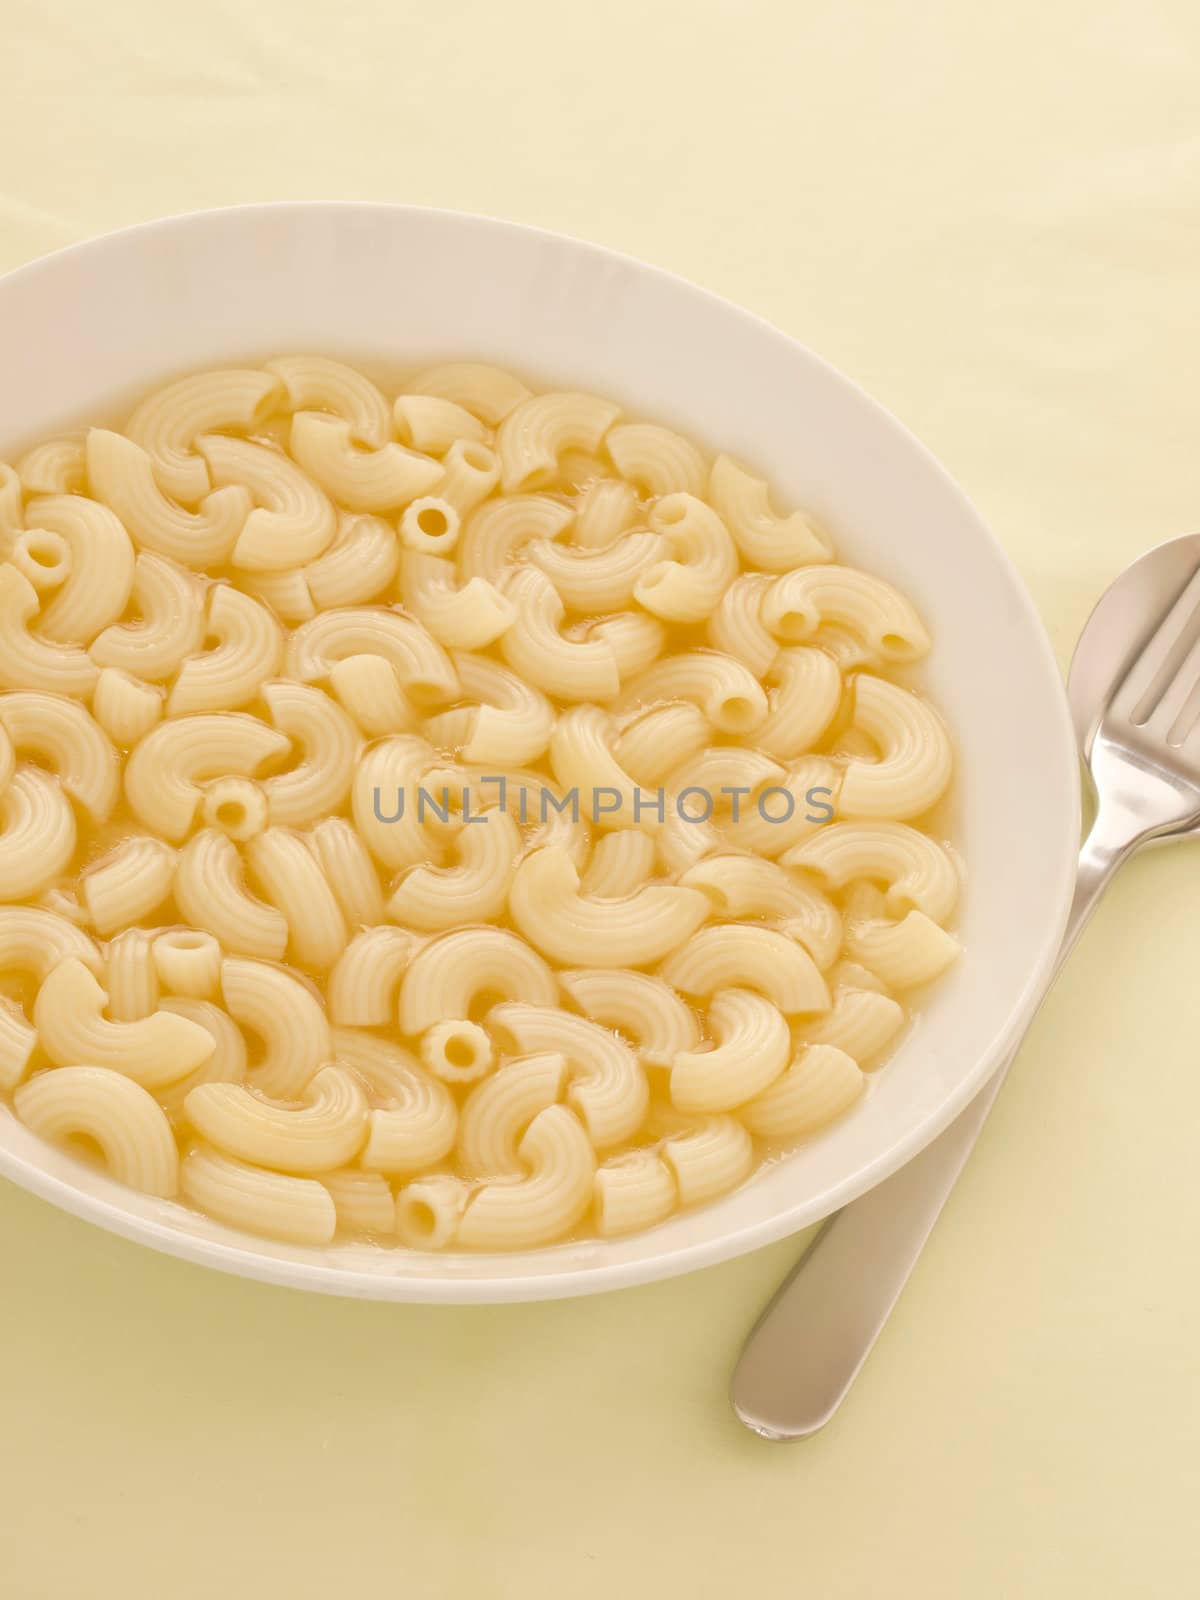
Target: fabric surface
<point x="988" y="216"/>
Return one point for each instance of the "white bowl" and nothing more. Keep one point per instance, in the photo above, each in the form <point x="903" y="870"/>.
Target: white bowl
<point x="88" y="328"/>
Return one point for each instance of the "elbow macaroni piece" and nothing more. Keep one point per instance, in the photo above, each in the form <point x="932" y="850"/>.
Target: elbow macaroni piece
<point x="546" y="1201"/>
<point x="292" y="521"/>
<point x="605" y="509"/>
<point x="124" y="1119"/>
<point x="165" y="772"/>
<point x="349" y="870"/>
<point x="363" y="1201"/>
<point x="635" y="638"/>
<point x="747" y="886"/>
<point x="171" y="627"/>
<point x="296" y="1210"/>
<point x="292" y="881"/>
<point x="188" y="963"/>
<point x="766" y="541"/>
<point x="619" y="865"/>
<point x="329" y="745"/>
<point x="432" y="425"/>
<point x="633" y="1191"/>
<point x="131" y="976"/>
<point x="287" y="593"/>
<point x="121" y="474"/>
<point x="44" y="558"/>
<point x="210" y="891"/>
<point x="18" y="1041"/>
<point x="359" y="564"/>
<point x="509" y="721"/>
<point x="880" y="619"/>
<point x="593" y="579"/>
<point x="725" y="690"/>
<point x="753" y="1042"/>
<point x="315" y="383"/>
<point x="535" y="433"/>
<point x="287" y="1017"/>
<point x="153" y="1050"/>
<point x="804" y="799"/>
<point x="863" y="1022"/>
<point x="125" y="707"/>
<point x="429" y="1210"/>
<point x="572" y="928"/>
<point x="385" y="801"/>
<point x="741" y="955"/>
<point x="819" y="1085"/>
<point x="475" y="890"/>
<point x="535" y="646"/>
<point x="430" y="526"/>
<point x="709" y="1158"/>
<point x="368" y="689"/>
<point x="470" y="473"/>
<point x="735" y="625"/>
<point x="805" y="693"/>
<point x="70" y="742"/>
<point x="37" y="834"/>
<point x="457" y="1052"/>
<point x="702" y="563"/>
<point x="33" y="941"/>
<point x="534" y="800"/>
<point x="420" y="663"/>
<point x="128" y="884"/>
<point x="169" y="422"/>
<point x="446" y="976"/>
<point x="57" y="467"/>
<point x="656" y="743"/>
<point x="918" y="874"/>
<point x="497" y="1112"/>
<point x="489" y="393"/>
<point x="495" y="535"/>
<point x="365" y="981"/>
<point x="498" y="820"/>
<point x="608" y="1089"/>
<point x="656" y="460"/>
<point x="97" y="588"/>
<point x="324" y="1131"/>
<point x="902" y="954"/>
<point x="582" y="759"/>
<point x="248" y="651"/>
<point x="359" y="479"/>
<point x="642" y="1007"/>
<point x="467" y="618"/>
<point x="28" y="661"/>
<point x="413" y="1122"/>
<point x="915" y="757"/>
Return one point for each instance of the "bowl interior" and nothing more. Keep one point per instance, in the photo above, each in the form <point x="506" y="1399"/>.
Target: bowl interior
<point x="92" y="327"/>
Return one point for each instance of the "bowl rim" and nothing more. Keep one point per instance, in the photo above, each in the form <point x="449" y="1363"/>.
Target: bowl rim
<point x="562" y="1281"/>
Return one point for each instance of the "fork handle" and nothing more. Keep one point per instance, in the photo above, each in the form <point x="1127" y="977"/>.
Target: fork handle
<point x="810" y="1343"/>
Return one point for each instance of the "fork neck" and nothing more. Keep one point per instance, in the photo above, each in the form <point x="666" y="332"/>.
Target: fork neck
<point x="1134" y="804"/>
<point x="1099" y="858"/>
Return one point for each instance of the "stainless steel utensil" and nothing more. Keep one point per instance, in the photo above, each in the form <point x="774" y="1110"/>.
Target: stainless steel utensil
<point x="1134" y="689"/>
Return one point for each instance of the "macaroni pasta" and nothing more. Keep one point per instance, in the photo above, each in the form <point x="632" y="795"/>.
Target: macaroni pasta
<point x="454" y="817"/>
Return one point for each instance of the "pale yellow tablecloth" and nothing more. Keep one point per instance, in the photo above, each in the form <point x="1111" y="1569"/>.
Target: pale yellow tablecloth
<point x="990" y="216"/>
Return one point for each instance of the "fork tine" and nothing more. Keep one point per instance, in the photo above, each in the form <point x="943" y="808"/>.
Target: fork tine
<point x="1169" y="719"/>
<point x="1186" y="718"/>
<point x="1158" y="663"/>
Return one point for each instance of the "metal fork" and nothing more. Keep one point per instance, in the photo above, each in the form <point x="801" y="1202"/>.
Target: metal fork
<point x="1134" y="689"/>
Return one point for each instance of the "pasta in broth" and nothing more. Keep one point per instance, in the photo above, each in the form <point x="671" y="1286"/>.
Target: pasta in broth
<point x="461" y="819"/>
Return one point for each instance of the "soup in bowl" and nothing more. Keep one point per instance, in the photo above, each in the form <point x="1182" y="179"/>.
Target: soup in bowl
<point x="492" y="738"/>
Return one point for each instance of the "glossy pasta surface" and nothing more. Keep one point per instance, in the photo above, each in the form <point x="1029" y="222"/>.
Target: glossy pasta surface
<point x="462" y="817"/>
